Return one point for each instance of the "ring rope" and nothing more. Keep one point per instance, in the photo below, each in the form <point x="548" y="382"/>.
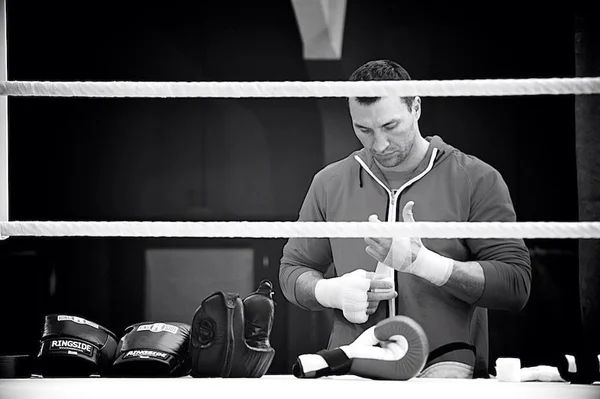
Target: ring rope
<point x="425" y="88"/>
<point x="489" y="87"/>
<point x="305" y="229"/>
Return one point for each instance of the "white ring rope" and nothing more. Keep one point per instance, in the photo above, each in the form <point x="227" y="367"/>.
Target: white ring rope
<point x="425" y="88"/>
<point x="434" y="88"/>
<point x="305" y="229"/>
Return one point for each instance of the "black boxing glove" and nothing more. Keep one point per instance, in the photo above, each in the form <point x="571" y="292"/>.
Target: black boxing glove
<point x="153" y="350"/>
<point x="74" y="347"/>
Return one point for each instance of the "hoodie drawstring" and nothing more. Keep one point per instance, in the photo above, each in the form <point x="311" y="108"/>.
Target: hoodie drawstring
<point x="360" y="182"/>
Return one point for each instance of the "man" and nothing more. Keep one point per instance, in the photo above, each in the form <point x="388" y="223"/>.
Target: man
<point x="446" y="285"/>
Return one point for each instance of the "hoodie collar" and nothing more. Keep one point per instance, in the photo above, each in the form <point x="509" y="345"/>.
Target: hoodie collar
<point x="444" y="150"/>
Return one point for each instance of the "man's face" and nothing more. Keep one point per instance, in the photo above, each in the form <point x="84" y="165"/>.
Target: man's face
<point x="387" y="128"/>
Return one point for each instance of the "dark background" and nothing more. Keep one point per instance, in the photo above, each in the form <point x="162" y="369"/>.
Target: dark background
<point x="253" y="159"/>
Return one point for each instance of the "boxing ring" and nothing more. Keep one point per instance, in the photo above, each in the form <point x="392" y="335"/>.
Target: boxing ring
<point x="287" y="385"/>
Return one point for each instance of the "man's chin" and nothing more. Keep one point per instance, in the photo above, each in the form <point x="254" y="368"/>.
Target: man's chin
<point x="388" y="162"/>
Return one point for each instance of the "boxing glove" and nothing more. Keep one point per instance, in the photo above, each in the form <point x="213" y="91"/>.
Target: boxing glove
<point x="394" y="349"/>
<point x="153" y="350"/>
<point x="71" y="346"/>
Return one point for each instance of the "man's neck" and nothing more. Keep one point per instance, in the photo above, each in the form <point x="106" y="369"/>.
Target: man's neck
<point x="413" y="160"/>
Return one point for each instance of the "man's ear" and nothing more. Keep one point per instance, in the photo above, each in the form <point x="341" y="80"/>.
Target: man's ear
<point x="417" y="107"/>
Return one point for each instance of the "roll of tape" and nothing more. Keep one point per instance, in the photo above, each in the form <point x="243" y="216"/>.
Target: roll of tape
<point x="508" y="369"/>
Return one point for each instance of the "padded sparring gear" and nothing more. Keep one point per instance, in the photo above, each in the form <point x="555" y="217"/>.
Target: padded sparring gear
<point x="153" y="350"/>
<point x="75" y="347"/>
<point x="230" y="337"/>
<point x="394" y="349"/>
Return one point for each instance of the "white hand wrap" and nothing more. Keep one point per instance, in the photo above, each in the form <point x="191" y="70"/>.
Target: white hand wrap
<point x="347" y="293"/>
<point x="540" y="373"/>
<point x="427" y="264"/>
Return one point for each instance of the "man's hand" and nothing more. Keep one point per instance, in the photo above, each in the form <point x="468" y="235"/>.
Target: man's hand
<point x="378" y="248"/>
<point x="406" y="249"/>
<point x="352" y="294"/>
<point x="382" y="289"/>
<point x="408" y="254"/>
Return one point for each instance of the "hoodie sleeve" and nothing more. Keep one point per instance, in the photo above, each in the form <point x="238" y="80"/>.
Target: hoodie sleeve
<point x="305" y="254"/>
<point x="506" y="263"/>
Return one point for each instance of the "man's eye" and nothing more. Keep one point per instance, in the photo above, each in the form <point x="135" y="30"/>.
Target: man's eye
<point x="392" y="126"/>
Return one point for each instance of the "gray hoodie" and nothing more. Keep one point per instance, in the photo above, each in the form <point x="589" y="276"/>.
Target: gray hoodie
<point x="448" y="186"/>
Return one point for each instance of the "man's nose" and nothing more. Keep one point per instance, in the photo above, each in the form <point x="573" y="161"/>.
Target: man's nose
<point x="380" y="142"/>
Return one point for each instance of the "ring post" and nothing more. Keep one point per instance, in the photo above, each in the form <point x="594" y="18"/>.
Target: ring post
<point x="3" y="121"/>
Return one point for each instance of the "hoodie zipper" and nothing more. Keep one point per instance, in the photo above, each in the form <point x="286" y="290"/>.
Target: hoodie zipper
<point x="392" y="215"/>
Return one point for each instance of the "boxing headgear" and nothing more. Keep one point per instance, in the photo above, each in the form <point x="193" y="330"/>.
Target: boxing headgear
<point x="230" y="337"/>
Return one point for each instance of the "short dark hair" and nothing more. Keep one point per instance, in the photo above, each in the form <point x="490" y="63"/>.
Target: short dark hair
<point x="380" y="70"/>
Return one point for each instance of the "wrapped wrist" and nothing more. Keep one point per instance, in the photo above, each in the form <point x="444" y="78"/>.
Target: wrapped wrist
<point x="432" y="267"/>
<point x="408" y="257"/>
<point x="324" y="293"/>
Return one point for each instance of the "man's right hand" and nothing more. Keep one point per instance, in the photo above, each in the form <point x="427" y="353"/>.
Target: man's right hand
<point x="352" y="294"/>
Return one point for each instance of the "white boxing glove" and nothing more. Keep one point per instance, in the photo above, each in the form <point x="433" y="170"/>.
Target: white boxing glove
<point x="367" y="346"/>
<point x="349" y="293"/>
<point x="395" y="349"/>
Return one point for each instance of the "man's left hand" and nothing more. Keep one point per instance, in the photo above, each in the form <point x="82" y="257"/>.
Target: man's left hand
<point x="400" y="252"/>
<point x="408" y="254"/>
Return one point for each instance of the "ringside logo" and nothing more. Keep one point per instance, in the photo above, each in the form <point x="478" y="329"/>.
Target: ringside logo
<point x="145" y="354"/>
<point x="70" y="345"/>
<point x="77" y="320"/>
<point x="159" y="327"/>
